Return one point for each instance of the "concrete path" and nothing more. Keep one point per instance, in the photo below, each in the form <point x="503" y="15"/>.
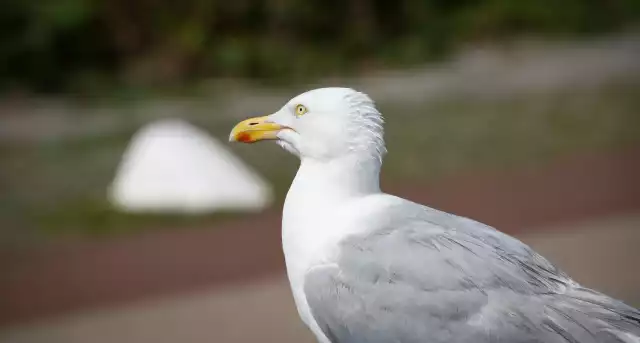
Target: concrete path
<point x="601" y="254"/>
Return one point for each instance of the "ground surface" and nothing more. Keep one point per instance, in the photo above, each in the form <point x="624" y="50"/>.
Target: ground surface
<point x="263" y="311"/>
<point x="82" y="273"/>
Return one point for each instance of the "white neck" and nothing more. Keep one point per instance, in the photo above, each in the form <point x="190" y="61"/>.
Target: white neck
<point x="346" y="177"/>
<point x="319" y="201"/>
<point x="322" y="197"/>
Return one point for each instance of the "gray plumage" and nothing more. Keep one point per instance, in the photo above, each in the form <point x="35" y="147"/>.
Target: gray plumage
<point x="424" y="275"/>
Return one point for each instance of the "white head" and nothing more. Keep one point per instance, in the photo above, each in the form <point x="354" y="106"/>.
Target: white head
<point x="321" y="124"/>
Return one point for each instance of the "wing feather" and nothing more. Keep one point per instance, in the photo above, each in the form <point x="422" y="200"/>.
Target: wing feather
<point x="427" y="276"/>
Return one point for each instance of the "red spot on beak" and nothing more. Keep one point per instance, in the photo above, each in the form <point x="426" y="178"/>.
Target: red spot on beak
<point x="244" y="138"/>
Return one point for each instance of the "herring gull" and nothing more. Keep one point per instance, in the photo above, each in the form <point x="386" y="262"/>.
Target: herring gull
<point x="368" y="267"/>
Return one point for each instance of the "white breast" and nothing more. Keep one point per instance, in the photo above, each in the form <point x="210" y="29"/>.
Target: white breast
<point x="312" y="228"/>
<point x="306" y="243"/>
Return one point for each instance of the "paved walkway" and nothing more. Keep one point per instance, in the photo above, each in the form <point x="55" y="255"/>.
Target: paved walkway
<point x="601" y="254"/>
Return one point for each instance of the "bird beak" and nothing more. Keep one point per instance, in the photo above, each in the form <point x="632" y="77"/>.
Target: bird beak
<point x="255" y="129"/>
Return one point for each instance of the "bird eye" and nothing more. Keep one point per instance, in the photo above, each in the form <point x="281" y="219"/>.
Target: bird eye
<point x="300" y="110"/>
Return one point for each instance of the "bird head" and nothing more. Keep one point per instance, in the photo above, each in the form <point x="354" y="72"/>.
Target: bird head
<point x="321" y="124"/>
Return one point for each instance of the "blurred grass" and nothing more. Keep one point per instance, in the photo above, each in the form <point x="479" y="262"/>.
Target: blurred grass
<point x="59" y="186"/>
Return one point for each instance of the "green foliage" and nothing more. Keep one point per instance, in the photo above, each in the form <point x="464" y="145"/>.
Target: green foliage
<point x="51" y="45"/>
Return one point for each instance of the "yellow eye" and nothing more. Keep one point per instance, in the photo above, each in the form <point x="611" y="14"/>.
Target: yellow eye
<point x="300" y="110"/>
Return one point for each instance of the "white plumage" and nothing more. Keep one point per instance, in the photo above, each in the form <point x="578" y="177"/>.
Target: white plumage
<point x="366" y="266"/>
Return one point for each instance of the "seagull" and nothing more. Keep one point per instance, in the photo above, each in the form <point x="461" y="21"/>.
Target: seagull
<point x="369" y="267"/>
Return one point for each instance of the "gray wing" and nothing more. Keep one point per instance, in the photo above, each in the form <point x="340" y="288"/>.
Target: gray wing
<point x="427" y="276"/>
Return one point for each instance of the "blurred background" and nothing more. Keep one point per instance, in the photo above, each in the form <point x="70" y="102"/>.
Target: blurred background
<point x="521" y="114"/>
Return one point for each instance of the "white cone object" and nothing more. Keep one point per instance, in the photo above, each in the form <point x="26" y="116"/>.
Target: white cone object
<point x="172" y="166"/>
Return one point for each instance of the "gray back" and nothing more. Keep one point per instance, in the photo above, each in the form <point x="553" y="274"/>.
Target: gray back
<point x="428" y="276"/>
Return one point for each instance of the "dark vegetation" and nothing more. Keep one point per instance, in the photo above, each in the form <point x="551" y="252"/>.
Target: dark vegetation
<point x="67" y="45"/>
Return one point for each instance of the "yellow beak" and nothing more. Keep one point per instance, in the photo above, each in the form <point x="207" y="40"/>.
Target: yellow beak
<point x="254" y="129"/>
